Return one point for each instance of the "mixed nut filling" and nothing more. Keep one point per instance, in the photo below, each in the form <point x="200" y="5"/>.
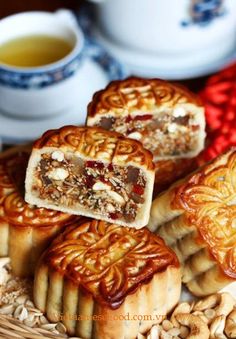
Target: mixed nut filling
<point x="113" y="191"/>
<point x="164" y="134"/>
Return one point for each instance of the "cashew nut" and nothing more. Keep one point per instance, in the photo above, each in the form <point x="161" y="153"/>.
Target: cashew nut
<point x="217" y="328"/>
<point x="209" y="302"/>
<point x="181" y="308"/>
<point x="222" y="302"/>
<point x="154" y="333"/>
<point x="202" y="316"/>
<point x="230" y="325"/>
<point x="198" y="329"/>
<point x="226" y="305"/>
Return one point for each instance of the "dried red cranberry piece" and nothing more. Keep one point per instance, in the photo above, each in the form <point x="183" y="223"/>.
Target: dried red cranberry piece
<point x="128" y="119"/>
<point x="138" y="189"/>
<point x="114" y="216"/>
<point x="143" y="117"/>
<point x="110" y="167"/>
<point x="94" y="164"/>
<point x="89" y="181"/>
<point x="103" y="179"/>
<point x="90" y="163"/>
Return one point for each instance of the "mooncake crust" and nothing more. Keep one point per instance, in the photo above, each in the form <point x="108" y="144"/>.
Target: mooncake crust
<point x="169" y="171"/>
<point x="96" y="143"/>
<point x="160" y="91"/>
<point x="96" y="268"/>
<point x="199" y="213"/>
<point x="134" y="245"/>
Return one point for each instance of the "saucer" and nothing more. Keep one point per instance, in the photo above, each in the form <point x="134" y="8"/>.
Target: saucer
<point x="147" y="64"/>
<point x="150" y="65"/>
<point x="97" y="70"/>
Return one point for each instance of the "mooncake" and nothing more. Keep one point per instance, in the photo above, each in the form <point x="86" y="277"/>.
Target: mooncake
<point x="169" y="171"/>
<point x="25" y="230"/>
<point x="107" y="281"/>
<point x="91" y="172"/>
<point x="167" y="118"/>
<point x="197" y="218"/>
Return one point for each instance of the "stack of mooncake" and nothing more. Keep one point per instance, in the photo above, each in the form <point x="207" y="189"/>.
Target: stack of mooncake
<point x="109" y="258"/>
<point x="96" y="268"/>
<point x="197" y="218"/>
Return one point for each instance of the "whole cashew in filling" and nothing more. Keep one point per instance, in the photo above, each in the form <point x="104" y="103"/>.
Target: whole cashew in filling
<point x="198" y="328"/>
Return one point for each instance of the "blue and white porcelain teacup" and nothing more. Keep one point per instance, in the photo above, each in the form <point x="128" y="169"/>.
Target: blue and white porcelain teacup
<point x="33" y="92"/>
<point x="177" y="33"/>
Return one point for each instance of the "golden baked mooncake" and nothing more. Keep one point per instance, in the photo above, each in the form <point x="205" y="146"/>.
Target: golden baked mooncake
<point x="197" y="218"/>
<point x="92" y="172"/>
<point x="167" y="118"/>
<point x="168" y="171"/>
<point x="97" y="274"/>
<point x="25" y="230"/>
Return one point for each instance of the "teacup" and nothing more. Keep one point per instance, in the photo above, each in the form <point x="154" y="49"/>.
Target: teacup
<point x="33" y="92"/>
<point x="183" y="33"/>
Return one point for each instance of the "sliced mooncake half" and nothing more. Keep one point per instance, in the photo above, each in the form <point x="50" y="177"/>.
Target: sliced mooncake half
<point x="197" y="218"/>
<point x="92" y="172"/>
<point x="167" y="118"/>
<point x="106" y="281"/>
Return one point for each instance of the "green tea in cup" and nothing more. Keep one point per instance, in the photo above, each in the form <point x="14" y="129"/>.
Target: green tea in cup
<point x="34" y="50"/>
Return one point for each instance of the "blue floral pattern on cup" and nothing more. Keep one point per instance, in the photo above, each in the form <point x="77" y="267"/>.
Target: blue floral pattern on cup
<point x="40" y="78"/>
<point x="203" y="12"/>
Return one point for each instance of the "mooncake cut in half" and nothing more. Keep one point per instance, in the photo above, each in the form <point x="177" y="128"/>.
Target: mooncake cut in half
<point x="25" y="230"/>
<point x="197" y="218"/>
<point x="167" y="118"/>
<point x="92" y="172"/>
<point x="97" y="274"/>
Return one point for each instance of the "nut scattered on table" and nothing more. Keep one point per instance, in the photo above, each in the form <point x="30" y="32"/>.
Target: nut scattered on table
<point x="211" y="317"/>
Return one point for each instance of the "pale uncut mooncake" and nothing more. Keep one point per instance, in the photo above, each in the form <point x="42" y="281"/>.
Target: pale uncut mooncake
<point x="91" y="172"/>
<point x="97" y="274"/>
<point x="167" y="118"/>
<point x="197" y="218"/>
<point x="25" y="230"/>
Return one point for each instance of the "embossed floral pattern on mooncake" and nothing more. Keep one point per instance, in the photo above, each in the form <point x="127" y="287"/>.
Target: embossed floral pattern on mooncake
<point x="209" y="201"/>
<point x="108" y="260"/>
